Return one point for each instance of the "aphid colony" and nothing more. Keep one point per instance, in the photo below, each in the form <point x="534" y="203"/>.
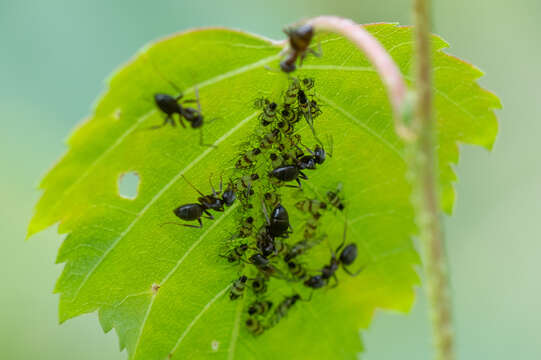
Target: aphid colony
<point x="264" y="246"/>
<point x="269" y="254"/>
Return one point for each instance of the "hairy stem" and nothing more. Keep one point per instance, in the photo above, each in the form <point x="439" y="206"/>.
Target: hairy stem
<point x="382" y="61"/>
<point x="428" y="209"/>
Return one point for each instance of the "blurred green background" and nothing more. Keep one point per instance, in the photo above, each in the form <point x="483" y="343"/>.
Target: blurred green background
<point x="53" y="59"/>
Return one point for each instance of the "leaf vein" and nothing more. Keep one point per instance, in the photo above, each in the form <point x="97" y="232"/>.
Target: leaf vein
<point x="156" y="197"/>
<point x="198" y="316"/>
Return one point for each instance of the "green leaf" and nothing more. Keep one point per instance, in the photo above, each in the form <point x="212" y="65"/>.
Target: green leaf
<point x="165" y="289"/>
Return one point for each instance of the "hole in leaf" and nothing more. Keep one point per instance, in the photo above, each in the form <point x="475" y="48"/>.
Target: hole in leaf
<point x="128" y="185"/>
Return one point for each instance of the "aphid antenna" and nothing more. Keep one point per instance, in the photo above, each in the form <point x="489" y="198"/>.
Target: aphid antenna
<point x="189" y="183"/>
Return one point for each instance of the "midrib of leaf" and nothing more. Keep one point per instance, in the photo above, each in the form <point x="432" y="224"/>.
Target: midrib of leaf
<point x="142" y="118"/>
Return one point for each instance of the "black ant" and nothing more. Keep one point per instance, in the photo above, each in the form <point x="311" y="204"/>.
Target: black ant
<point x="317" y="156"/>
<point x="213" y="201"/>
<point x="288" y="173"/>
<point x="278" y="223"/>
<point x="195" y="211"/>
<point x="170" y="105"/>
<point x="277" y="226"/>
<point x="346" y="258"/>
<point x="299" y="43"/>
<point x="267" y="244"/>
<point x="190" y="212"/>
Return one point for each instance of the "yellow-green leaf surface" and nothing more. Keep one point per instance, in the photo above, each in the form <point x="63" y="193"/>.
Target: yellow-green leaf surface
<point x="165" y="289"/>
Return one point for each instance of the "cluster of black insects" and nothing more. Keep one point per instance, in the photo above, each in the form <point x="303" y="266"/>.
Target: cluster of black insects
<point x="273" y="158"/>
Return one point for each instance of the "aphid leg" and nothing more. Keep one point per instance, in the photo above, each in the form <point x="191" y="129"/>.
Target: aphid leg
<point x="189" y="183"/>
